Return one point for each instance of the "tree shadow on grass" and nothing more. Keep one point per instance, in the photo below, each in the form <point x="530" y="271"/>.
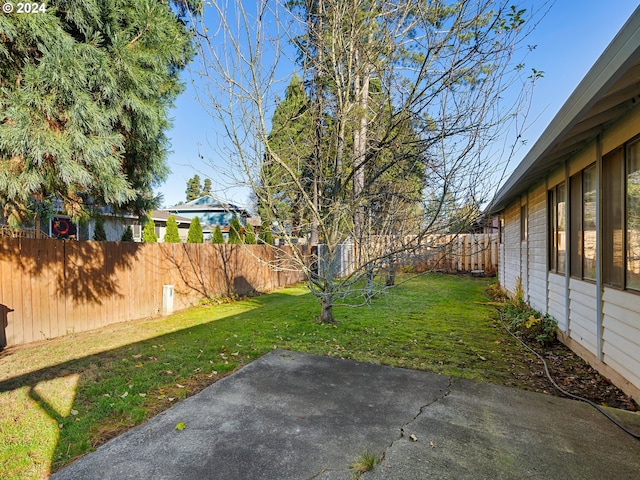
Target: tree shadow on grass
<point x="126" y="385"/>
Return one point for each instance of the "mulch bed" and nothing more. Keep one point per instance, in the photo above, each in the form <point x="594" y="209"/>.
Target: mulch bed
<point x="575" y="376"/>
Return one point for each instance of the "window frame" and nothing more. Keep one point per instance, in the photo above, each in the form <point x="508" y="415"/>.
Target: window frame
<point x="555" y="219"/>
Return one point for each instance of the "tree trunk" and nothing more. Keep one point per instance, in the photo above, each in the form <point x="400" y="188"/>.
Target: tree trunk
<point x="327" y="309"/>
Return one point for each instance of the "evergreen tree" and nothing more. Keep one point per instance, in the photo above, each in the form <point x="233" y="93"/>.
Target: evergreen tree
<point x="195" y="232"/>
<point x="194" y="188"/>
<point x="249" y="235"/>
<point x="206" y="190"/>
<point x="291" y="140"/>
<point x="85" y="90"/>
<point x="127" y="235"/>
<point x="172" y="235"/>
<point x="235" y="232"/>
<point x="217" y="238"/>
<point x="264" y="234"/>
<point x="149" y="233"/>
<point x="99" y="234"/>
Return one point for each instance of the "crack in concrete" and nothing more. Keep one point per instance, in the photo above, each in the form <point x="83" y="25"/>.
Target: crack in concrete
<point x="446" y="393"/>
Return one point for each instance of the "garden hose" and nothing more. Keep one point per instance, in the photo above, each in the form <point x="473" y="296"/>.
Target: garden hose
<point x="562" y="390"/>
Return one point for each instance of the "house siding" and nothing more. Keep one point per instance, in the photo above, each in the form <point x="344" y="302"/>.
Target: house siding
<point x="537" y="245"/>
<point x="511" y="248"/>
<point x="621" y="332"/>
<point x="556" y="305"/>
<point x="574" y="303"/>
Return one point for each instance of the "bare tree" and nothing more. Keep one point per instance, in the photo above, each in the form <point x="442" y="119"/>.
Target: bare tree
<point x="407" y="101"/>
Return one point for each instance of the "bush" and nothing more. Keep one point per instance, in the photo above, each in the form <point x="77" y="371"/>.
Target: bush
<point x="195" y="232"/>
<point x="523" y="321"/>
<point x="531" y="325"/>
<point x="249" y="235"/>
<point x="149" y="232"/>
<point x="172" y="235"/>
<point x="99" y="234"/>
<point x="217" y="238"/>
<point x="127" y="235"/>
<point x="235" y="232"/>
<point x="264" y="234"/>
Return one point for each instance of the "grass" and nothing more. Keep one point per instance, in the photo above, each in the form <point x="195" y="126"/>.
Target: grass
<point x="364" y="463"/>
<point x="64" y="397"/>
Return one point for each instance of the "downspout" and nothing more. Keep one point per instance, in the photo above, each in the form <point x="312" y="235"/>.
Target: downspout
<point x="599" y="238"/>
<point x="567" y="248"/>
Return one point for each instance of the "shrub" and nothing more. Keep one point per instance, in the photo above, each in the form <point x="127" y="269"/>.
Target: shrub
<point x="149" y="232"/>
<point x="264" y="234"/>
<point x="249" y="235"/>
<point x="172" y="235"/>
<point x="99" y="234"/>
<point x="217" y="238"/>
<point x="127" y="235"/>
<point x="531" y="325"/>
<point x="235" y="232"/>
<point x="195" y="232"/>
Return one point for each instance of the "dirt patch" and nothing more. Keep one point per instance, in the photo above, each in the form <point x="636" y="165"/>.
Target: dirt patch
<point x="573" y="375"/>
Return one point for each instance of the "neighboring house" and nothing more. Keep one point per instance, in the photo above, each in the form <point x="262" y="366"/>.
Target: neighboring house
<point x="115" y="224"/>
<point x="160" y="217"/>
<point x="570" y="216"/>
<point x="211" y="213"/>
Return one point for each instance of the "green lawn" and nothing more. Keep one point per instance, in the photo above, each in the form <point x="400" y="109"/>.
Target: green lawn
<point x="64" y="397"/>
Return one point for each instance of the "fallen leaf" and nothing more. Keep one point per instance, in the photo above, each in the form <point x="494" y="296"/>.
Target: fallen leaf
<point x="432" y="444"/>
<point x="180" y="426"/>
<point x="73" y="412"/>
<point x="124" y="395"/>
<point x="179" y="386"/>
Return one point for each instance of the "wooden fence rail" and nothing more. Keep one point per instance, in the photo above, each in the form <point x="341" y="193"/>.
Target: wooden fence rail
<point x="50" y="288"/>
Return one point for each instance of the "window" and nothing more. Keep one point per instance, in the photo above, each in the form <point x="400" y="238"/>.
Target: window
<point x="589" y="235"/>
<point x="501" y="229"/>
<point x="575" y="226"/>
<point x="612" y="218"/>
<point x="633" y="216"/>
<point x="524" y="227"/>
<point x="582" y="223"/>
<point x="557" y="215"/>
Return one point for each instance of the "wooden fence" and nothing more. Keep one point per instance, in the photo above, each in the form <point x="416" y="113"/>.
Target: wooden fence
<point x="50" y="288"/>
<point x="458" y="253"/>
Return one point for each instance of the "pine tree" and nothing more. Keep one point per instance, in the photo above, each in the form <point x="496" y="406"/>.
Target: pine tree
<point x="172" y="235"/>
<point x="235" y="232"/>
<point x="264" y="234"/>
<point x="249" y="235"/>
<point x="195" y="232"/>
<point x="99" y="234"/>
<point x="217" y="238"/>
<point x="127" y="235"/>
<point x="291" y="139"/>
<point x="206" y="190"/>
<point x="85" y="92"/>
<point x="194" y="188"/>
<point x="149" y="233"/>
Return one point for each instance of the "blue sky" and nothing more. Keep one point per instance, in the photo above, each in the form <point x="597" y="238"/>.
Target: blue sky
<point x="569" y="40"/>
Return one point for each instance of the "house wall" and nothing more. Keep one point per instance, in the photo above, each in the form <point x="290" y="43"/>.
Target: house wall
<point x="511" y="247"/>
<point x="600" y="323"/>
<point x="537" y="251"/>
